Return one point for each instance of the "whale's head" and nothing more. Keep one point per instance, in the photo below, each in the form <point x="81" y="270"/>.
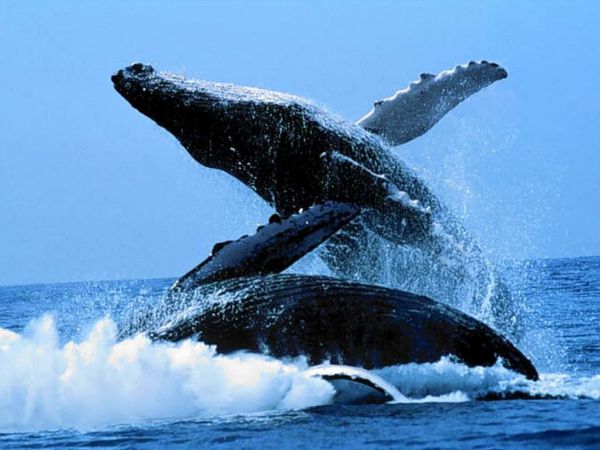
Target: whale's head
<point x="167" y="100"/>
<point x="233" y="128"/>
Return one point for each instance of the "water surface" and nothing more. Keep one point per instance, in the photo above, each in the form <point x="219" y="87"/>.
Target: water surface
<point x="66" y="381"/>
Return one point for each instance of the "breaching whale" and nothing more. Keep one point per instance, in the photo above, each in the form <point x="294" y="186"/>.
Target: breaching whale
<point x="295" y="154"/>
<point x="237" y="299"/>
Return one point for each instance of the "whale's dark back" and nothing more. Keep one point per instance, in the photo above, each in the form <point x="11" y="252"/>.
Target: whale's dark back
<point x="342" y="322"/>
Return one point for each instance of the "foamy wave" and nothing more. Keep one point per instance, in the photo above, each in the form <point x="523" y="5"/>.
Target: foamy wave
<point x="448" y="380"/>
<point x="101" y="381"/>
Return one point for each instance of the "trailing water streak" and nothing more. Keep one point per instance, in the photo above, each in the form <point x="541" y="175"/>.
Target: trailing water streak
<point x="356" y="374"/>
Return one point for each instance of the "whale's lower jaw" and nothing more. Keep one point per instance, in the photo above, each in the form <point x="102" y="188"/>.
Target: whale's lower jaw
<point x="325" y="319"/>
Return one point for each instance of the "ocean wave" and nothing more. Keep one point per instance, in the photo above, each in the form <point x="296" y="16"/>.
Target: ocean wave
<point x="100" y="380"/>
<point x="450" y="379"/>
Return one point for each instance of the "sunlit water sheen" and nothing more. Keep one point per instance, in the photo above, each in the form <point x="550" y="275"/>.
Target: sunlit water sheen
<point x="66" y="381"/>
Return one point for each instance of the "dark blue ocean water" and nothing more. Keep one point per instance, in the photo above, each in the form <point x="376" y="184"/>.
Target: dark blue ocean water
<point x="65" y="381"/>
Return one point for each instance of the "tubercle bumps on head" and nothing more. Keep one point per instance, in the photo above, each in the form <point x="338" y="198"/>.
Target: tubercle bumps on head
<point x="219" y="246"/>
<point x="139" y="68"/>
<point x="136" y="69"/>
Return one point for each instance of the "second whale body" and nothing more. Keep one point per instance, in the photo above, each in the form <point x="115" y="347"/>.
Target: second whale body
<point x="335" y="321"/>
<point x="237" y="299"/>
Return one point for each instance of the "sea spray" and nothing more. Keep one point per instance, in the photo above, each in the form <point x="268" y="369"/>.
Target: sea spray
<point x="450" y="380"/>
<point x="101" y="381"/>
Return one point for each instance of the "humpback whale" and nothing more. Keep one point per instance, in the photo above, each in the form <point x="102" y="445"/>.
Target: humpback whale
<point x="238" y="299"/>
<point x="295" y="154"/>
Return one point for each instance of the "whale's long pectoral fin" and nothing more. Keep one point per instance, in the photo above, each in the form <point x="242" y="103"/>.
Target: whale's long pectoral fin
<point x="333" y="372"/>
<point x="345" y="180"/>
<point x="412" y="111"/>
<point x="273" y="248"/>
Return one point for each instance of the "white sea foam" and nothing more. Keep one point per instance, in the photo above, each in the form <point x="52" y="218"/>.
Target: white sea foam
<point x="100" y="381"/>
<point x="448" y="380"/>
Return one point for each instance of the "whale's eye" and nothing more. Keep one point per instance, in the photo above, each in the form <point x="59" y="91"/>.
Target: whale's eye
<point x="275" y="218"/>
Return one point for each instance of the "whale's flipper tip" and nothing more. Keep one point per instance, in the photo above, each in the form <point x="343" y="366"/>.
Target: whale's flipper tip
<point x="358" y="375"/>
<point x="412" y="111"/>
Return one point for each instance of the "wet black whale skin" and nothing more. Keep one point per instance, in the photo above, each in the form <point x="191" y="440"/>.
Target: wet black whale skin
<point x="282" y="147"/>
<point x="327" y="319"/>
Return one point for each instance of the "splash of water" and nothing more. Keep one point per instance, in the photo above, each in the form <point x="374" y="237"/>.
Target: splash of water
<point x="101" y="381"/>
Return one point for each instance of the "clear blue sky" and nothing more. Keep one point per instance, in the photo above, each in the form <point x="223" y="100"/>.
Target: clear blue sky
<point x="90" y="189"/>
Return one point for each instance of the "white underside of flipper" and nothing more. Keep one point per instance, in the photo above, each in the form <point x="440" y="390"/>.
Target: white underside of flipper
<point x="412" y="111"/>
<point x="356" y="374"/>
